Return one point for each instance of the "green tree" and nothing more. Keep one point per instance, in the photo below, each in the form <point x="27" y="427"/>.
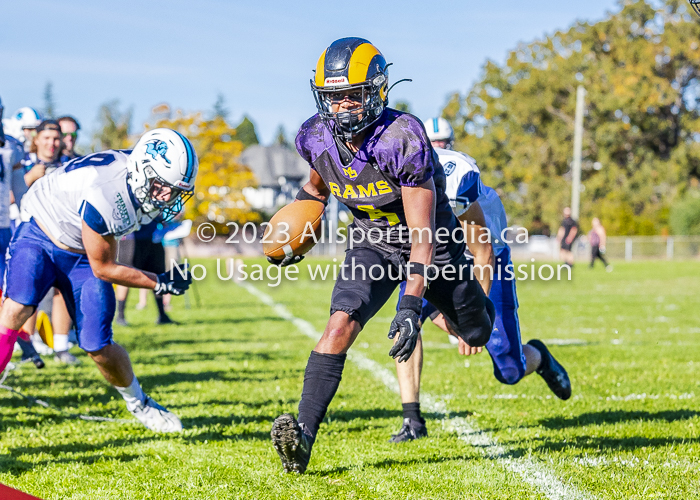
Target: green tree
<point x="402" y="106"/>
<point x="245" y="132"/>
<point x="114" y="128"/>
<point x="49" y="101"/>
<point x="685" y="214"/>
<point x="640" y="68"/>
<point x="221" y="179"/>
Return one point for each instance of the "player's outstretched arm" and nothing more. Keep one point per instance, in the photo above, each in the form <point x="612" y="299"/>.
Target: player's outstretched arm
<point x="102" y="254"/>
<point x="419" y="206"/>
<point x="480" y="245"/>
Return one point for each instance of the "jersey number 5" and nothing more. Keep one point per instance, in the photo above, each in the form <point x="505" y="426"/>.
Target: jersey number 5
<point x="376" y="215"/>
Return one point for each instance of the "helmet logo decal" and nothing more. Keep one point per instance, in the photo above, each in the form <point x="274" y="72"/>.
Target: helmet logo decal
<point x="350" y="172"/>
<point x="336" y="81"/>
<point x="157" y="148"/>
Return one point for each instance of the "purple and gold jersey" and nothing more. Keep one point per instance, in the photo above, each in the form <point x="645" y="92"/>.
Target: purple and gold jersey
<point x="396" y="153"/>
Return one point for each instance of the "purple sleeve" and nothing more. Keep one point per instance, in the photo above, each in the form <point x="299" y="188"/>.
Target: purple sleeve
<point x="418" y="159"/>
<point x="417" y="168"/>
<point x="308" y="132"/>
<point x="299" y="143"/>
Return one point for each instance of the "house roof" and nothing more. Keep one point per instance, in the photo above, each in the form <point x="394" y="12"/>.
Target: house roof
<point x="271" y="163"/>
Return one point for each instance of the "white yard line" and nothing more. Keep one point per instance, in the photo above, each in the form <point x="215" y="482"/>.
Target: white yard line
<point x="533" y="471"/>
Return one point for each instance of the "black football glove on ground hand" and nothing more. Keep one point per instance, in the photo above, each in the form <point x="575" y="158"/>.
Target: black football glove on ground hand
<point x="172" y="281"/>
<point x="287" y="261"/>
<point x="407" y="324"/>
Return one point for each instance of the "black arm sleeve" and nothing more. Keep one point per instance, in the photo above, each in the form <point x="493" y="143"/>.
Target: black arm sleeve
<point x="304" y="195"/>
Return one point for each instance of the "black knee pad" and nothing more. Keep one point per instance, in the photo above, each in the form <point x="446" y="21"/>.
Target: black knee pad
<point x="478" y="332"/>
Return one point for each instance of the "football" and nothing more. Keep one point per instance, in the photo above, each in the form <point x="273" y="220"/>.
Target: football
<point x="294" y="229"/>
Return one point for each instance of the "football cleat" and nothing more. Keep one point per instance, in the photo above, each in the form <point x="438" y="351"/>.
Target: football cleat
<point x="29" y="353"/>
<point x="121" y="322"/>
<point x="66" y="358"/>
<point x="552" y="372"/>
<point x="292" y="443"/>
<point x="154" y="416"/>
<point x="36" y="359"/>
<point x="411" y="429"/>
<point x="165" y="320"/>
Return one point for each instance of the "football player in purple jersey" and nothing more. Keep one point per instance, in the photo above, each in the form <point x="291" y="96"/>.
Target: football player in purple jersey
<point x="380" y="164"/>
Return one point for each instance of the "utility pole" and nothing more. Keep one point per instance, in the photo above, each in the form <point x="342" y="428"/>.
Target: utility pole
<point x="578" y="145"/>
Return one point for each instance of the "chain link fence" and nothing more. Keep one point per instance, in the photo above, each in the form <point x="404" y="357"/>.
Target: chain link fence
<point x="627" y="248"/>
<point x="541" y="248"/>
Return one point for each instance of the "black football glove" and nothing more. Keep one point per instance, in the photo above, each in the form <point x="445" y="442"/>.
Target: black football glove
<point x="287" y="261"/>
<point x="407" y="324"/>
<point x="172" y="282"/>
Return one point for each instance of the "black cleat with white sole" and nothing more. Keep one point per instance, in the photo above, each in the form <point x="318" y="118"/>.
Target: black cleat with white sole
<point x="552" y="372"/>
<point x="292" y="443"/>
<point x="411" y="429"/>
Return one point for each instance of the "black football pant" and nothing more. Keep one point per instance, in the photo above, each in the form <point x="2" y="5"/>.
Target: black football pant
<point x="366" y="282"/>
<point x="369" y="278"/>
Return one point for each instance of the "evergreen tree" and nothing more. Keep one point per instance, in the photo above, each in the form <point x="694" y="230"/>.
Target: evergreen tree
<point x="245" y="132"/>
<point x="402" y="106"/>
<point x="114" y="128"/>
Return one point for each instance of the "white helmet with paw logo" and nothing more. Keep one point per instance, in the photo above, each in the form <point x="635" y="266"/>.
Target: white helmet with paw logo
<point x="162" y="168"/>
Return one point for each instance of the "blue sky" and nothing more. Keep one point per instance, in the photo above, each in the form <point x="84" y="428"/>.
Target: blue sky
<point x="259" y="55"/>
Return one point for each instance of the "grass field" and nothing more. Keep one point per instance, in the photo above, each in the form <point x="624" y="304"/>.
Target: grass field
<point x="629" y="339"/>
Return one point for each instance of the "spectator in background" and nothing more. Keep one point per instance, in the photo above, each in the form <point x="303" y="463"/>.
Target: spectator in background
<point x="69" y="131"/>
<point x="148" y="255"/>
<point x="44" y="153"/>
<point x="597" y="237"/>
<point x="568" y="231"/>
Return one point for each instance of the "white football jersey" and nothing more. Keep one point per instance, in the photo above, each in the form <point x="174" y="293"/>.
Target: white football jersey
<point x="91" y="188"/>
<point x="464" y="187"/>
<point x="10" y="154"/>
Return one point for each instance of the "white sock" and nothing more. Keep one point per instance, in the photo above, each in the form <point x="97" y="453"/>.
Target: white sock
<point x="60" y="343"/>
<point x="132" y="394"/>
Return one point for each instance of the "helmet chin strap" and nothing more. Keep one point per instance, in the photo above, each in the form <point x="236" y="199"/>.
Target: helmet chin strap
<point x="147" y="217"/>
